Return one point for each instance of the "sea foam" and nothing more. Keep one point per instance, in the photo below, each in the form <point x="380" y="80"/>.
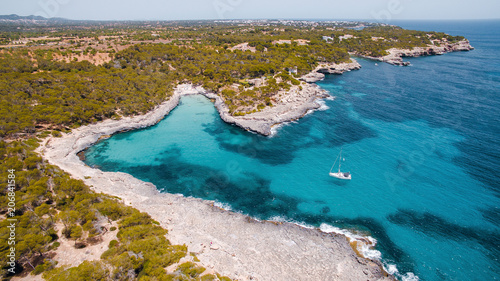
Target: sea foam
<point x="224" y="206"/>
<point x="323" y="105"/>
<point x="365" y="246"/>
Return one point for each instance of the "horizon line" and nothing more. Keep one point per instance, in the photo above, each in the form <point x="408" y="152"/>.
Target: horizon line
<point x="242" y="19"/>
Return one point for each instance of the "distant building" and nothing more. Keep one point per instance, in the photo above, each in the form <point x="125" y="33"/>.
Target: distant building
<point x="347" y="36"/>
<point x="327" y="38"/>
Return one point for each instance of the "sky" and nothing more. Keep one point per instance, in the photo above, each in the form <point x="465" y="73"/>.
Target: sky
<point x="374" y="10"/>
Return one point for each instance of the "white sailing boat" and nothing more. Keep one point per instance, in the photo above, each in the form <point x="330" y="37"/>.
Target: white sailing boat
<point x="339" y="174"/>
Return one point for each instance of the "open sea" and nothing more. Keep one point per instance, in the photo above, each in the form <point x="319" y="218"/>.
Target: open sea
<point x="422" y="143"/>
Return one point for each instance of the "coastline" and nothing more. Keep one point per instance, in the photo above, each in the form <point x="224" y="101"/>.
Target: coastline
<point x="223" y="240"/>
<point x="319" y="72"/>
<point x="395" y="56"/>
<point x="289" y="106"/>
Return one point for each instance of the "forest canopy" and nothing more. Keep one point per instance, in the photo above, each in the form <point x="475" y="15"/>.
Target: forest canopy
<point x="76" y="76"/>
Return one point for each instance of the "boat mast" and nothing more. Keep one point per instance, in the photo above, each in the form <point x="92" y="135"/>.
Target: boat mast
<point x="335" y="162"/>
<point x="340" y="158"/>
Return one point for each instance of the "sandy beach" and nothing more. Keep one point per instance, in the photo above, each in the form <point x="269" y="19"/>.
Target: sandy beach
<point x="230" y="243"/>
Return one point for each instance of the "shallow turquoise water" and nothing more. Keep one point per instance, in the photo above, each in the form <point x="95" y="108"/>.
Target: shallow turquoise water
<point x="421" y="143"/>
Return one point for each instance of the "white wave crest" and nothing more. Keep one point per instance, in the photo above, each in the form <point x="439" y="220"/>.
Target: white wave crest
<point x="365" y="244"/>
<point x="224" y="206"/>
<point x="278" y="219"/>
<point x="409" y="277"/>
<point x="323" y="105"/>
<point x="393" y="270"/>
<point x="284" y="219"/>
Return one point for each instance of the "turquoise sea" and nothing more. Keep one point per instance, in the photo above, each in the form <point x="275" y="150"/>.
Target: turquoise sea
<point x="422" y="143"/>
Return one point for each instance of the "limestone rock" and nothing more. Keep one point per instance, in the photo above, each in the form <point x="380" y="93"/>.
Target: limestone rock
<point x="312" y="77"/>
<point x="395" y="56"/>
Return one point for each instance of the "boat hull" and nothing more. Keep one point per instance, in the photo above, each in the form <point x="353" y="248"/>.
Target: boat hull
<point x="341" y="176"/>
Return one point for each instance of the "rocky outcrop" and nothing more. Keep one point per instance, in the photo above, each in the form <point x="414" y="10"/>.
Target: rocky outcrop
<point x="289" y="106"/>
<point x="312" y="77"/>
<point x="395" y="56"/>
<point x="337" y="68"/>
<point x="319" y="72"/>
<point x="460" y="46"/>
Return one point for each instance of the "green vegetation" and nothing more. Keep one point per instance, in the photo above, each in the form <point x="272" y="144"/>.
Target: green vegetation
<point x="374" y="41"/>
<point x="46" y="197"/>
<point x="66" y="74"/>
<point x="58" y="95"/>
<point x="94" y="270"/>
<point x="44" y="87"/>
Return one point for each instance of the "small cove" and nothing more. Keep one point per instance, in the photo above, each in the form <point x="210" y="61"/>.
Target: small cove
<point x="407" y="142"/>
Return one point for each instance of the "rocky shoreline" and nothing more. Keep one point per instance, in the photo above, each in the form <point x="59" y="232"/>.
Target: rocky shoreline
<point x="233" y="244"/>
<point x="395" y="56"/>
<point x="289" y="106"/>
<point x="319" y="72"/>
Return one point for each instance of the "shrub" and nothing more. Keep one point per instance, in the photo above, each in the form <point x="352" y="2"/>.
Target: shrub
<point x="208" y="277"/>
<point x="56" y="134"/>
<point x="54" y="245"/>
<point x="190" y="269"/>
<point x="47" y="265"/>
<point x="195" y="258"/>
<point x="112" y="243"/>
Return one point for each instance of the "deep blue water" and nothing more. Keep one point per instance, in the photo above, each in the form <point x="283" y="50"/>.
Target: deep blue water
<point x="422" y="143"/>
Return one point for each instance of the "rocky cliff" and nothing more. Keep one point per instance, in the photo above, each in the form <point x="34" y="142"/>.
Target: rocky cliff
<point x="329" y="68"/>
<point x="396" y="56"/>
